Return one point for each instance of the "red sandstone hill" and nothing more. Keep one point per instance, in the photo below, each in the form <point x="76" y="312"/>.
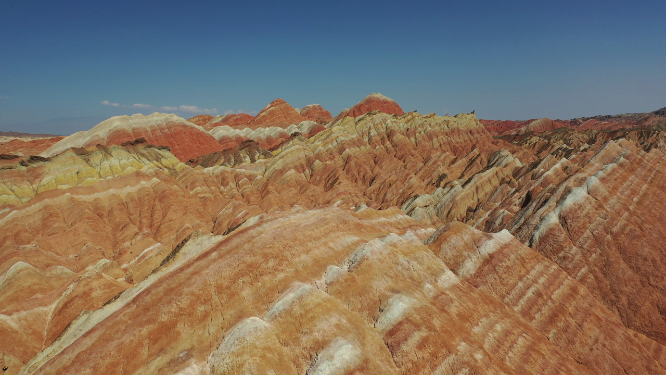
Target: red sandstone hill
<point x="275" y="123"/>
<point x="232" y="119"/>
<point x="382" y="244"/>
<point x="185" y="139"/>
<point x="372" y="102"/>
<point x="30" y="147"/>
<point x="200" y="120"/>
<point x="316" y="113"/>
<point x="278" y="113"/>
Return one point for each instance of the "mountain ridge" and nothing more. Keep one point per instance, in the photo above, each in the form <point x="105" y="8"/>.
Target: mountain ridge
<point x="379" y="243"/>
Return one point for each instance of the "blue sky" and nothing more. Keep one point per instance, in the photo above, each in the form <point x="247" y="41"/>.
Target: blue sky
<point x="507" y="60"/>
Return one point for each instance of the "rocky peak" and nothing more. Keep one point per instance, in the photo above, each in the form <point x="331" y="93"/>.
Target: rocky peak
<point x="278" y="113"/>
<point x="316" y="112"/>
<point x="372" y="102"/>
<point x="200" y="120"/>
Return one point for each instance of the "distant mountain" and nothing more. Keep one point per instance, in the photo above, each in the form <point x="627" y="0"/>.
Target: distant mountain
<point x="372" y="102"/>
<point x="25" y="135"/>
<point x="647" y="120"/>
<point x="59" y="126"/>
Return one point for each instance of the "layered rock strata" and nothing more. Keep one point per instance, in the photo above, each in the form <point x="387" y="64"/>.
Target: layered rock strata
<point x="316" y="113"/>
<point x="572" y="206"/>
<point x="387" y="243"/>
<point x="23" y="147"/>
<point x="629" y="121"/>
<point x="200" y="120"/>
<point x="185" y="139"/>
<point x="372" y="102"/>
<point x="232" y="119"/>
<point x="350" y="306"/>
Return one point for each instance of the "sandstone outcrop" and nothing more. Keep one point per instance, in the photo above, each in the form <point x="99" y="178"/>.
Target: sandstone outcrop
<point x="660" y="112"/>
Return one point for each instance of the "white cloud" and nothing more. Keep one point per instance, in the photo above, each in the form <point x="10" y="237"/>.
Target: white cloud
<point x="190" y="109"/>
<point x="106" y="102"/>
<point x="237" y="111"/>
<point x="166" y="108"/>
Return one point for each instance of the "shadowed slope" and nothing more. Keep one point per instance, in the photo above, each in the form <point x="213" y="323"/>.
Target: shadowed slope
<point x="557" y="305"/>
<point x="593" y="204"/>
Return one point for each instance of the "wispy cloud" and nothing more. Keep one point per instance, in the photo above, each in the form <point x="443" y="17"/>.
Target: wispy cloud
<point x="231" y="112"/>
<point x="4" y="97"/>
<point x="190" y="109"/>
<point x="166" y="108"/>
<point x="237" y="111"/>
<point x="106" y="102"/>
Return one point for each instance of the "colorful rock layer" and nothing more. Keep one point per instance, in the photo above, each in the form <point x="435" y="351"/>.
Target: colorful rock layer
<point x="383" y="243"/>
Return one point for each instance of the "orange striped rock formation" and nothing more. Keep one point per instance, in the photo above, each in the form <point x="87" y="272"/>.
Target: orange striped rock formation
<point x="185" y="139"/>
<point x="383" y="243"/>
<point x="28" y="147"/>
<point x="628" y="121"/>
<point x="277" y="122"/>
<point x="232" y="119"/>
<point x="372" y="102"/>
<point x="200" y="120"/>
<point x="316" y="113"/>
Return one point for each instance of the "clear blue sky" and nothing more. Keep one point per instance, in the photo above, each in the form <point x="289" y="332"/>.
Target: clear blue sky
<point x="506" y="60"/>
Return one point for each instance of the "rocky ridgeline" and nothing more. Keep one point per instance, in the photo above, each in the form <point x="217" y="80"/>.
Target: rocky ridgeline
<point x="376" y="242"/>
<point x="628" y="121"/>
